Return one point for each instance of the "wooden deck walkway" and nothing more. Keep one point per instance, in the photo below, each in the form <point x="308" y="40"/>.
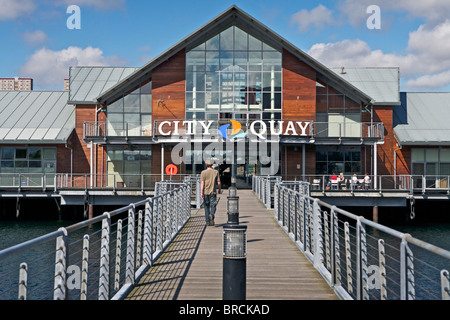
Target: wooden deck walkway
<point x="191" y="267"/>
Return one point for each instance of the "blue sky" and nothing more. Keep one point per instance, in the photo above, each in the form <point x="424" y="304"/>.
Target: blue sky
<point x="414" y="35"/>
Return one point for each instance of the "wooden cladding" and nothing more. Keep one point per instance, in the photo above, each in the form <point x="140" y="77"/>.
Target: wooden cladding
<point x="299" y="89"/>
<point x="169" y="83"/>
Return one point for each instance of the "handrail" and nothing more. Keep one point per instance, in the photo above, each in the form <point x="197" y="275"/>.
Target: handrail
<point x="148" y="232"/>
<point x="356" y="262"/>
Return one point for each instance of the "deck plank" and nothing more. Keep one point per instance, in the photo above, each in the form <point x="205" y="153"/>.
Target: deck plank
<point x="191" y="267"/>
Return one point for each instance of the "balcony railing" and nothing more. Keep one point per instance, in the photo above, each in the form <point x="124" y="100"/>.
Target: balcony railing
<point x="102" y="129"/>
<point x="335" y="130"/>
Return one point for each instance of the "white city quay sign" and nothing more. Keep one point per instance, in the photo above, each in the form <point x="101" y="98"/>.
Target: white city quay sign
<point x="258" y="128"/>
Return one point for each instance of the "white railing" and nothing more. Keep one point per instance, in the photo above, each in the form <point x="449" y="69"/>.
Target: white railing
<point x="97" y="259"/>
<point x="360" y="259"/>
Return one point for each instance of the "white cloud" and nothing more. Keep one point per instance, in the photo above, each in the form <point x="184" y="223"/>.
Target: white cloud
<point x="13" y="9"/>
<point x="424" y="65"/>
<point x="429" y="82"/>
<point x="49" y="68"/>
<point x="318" y="17"/>
<point x="35" y="38"/>
<point x="433" y="11"/>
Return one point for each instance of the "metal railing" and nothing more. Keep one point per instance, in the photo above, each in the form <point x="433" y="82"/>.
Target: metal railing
<point x="101" y="258"/>
<point x="57" y="181"/>
<point x="381" y="183"/>
<point x="103" y="129"/>
<point x="361" y="259"/>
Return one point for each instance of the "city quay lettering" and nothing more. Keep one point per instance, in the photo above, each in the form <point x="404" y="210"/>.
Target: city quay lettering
<point x="258" y="128"/>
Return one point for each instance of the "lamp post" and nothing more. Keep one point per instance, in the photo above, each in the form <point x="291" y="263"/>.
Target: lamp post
<point x="233" y="209"/>
<point x="234" y="262"/>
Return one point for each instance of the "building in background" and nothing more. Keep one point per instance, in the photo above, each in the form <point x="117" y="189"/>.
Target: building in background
<point x="16" y="84"/>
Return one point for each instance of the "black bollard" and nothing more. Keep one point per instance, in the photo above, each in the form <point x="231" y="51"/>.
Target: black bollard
<point x="234" y="262"/>
<point x="233" y="210"/>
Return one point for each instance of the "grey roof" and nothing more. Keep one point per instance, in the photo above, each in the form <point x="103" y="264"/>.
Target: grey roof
<point x="423" y="118"/>
<point x="35" y="117"/>
<point x="87" y="83"/>
<point x="382" y="84"/>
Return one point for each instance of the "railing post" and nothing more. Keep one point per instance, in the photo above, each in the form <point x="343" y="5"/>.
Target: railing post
<point x="445" y="285"/>
<point x="382" y="266"/>
<point x="23" y="281"/>
<point x="336" y="262"/>
<point x="139" y="240"/>
<point x="118" y="255"/>
<point x="361" y="261"/>
<point x="60" y="266"/>
<point x="103" y="280"/>
<point x="317" y="236"/>
<point x="148" y="235"/>
<point x="129" y="274"/>
<point x="84" y="268"/>
<point x="348" y="258"/>
<point x="407" y="284"/>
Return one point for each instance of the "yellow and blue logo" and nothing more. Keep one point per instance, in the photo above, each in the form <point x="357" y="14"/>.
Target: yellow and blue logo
<point x="235" y="133"/>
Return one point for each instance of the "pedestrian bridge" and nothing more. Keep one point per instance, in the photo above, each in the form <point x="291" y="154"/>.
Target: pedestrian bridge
<point x="298" y="248"/>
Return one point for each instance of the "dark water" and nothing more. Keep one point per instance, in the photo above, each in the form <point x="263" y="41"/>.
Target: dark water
<point x="13" y="232"/>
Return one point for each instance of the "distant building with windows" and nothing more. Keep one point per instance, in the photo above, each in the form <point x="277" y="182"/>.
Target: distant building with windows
<point x="16" y="84"/>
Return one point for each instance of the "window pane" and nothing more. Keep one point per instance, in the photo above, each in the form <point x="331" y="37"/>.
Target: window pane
<point x="445" y="155"/>
<point x="272" y="61"/>
<point x="213" y="43"/>
<point x="432" y="155"/>
<point x="212" y="81"/>
<point x="226" y="39"/>
<point x="226" y="60"/>
<point x="35" y="153"/>
<point x="254" y="44"/>
<point x="116" y="106"/>
<point x="7" y="153"/>
<point x="417" y="155"/>
<point x="240" y="81"/>
<point x="212" y="100"/>
<point x="132" y="103"/>
<point x="115" y="155"/>
<point x="254" y="61"/>
<point x="146" y="88"/>
<point x="212" y="61"/>
<point x="227" y="100"/>
<point x="240" y="60"/>
<point x="240" y="40"/>
<point x="226" y="81"/>
<point x="146" y="103"/>
<point x="35" y="164"/>
<point x="195" y="61"/>
<point x="272" y="81"/>
<point x="21" y="153"/>
<point x="254" y="81"/>
<point x="7" y="164"/>
<point x="49" y="153"/>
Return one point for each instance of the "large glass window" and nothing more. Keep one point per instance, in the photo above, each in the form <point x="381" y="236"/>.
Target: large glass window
<point x="336" y="159"/>
<point x="129" y="168"/>
<point x="131" y="115"/>
<point x="233" y="72"/>
<point x="32" y="163"/>
<point x="337" y="115"/>
<point x="434" y="163"/>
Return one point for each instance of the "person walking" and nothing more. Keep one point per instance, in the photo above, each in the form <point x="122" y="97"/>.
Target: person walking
<point x="210" y="181"/>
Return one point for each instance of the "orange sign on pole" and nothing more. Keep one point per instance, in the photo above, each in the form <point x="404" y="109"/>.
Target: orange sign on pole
<point x="171" y="169"/>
